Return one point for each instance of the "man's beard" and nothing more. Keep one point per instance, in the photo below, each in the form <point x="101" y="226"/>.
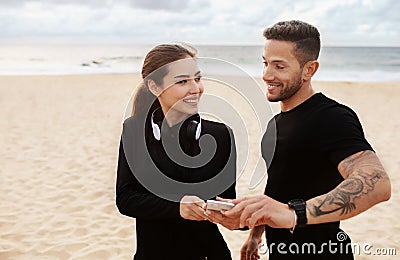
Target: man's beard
<point x="289" y="91"/>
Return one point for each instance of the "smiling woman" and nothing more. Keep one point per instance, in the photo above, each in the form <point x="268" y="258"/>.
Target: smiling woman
<point x="159" y="190"/>
<point x="157" y="64"/>
<point x="180" y="90"/>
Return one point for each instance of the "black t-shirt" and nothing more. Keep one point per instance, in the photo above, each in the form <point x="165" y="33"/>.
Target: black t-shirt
<point x="311" y="140"/>
<point x="161" y="232"/>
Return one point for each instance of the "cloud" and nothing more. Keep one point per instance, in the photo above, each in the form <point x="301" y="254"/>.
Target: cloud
<point x="21" y="3"/>
<point x="341" y="22"/>
<point x="361" y="21"/>
<point x="171" y="5"/>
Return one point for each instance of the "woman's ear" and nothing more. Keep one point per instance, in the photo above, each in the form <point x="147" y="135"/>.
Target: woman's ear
<point x="156" y="90"/>
<point x="309" y="69"/>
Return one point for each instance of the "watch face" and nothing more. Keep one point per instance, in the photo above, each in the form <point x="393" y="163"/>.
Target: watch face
<point x="295" y="202"/>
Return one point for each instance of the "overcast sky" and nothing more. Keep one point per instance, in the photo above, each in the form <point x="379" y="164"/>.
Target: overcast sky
<point x="341" y="22"/>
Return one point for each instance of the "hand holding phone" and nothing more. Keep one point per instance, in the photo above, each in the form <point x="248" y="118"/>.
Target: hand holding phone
<point x="219" y="205"/>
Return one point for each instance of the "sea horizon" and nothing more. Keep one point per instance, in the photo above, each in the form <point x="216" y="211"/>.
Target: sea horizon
<point x="337" y="63"/>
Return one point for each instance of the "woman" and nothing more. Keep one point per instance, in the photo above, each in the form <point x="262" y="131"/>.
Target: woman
<point x="164" y="171"/>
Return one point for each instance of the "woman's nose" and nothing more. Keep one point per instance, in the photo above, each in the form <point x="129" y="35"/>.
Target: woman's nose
<point x="195" y="87"/>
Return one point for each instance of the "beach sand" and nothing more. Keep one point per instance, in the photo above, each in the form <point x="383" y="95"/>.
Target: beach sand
<point x="59" y="138"/>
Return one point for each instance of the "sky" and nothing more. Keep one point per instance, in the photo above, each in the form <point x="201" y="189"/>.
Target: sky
<point x="223" y="22"/>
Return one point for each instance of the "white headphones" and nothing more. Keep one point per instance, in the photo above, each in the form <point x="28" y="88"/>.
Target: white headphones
<point x="193" y="127"/>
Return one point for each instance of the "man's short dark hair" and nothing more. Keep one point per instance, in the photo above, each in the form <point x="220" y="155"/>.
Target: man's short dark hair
<point x="305" y="36"/>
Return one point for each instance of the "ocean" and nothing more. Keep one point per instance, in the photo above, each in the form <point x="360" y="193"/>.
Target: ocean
<point x="369" y="64"/>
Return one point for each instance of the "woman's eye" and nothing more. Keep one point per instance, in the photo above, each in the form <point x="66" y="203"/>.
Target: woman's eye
<point x="184" y="81"/>
<point x="197" y="79"/>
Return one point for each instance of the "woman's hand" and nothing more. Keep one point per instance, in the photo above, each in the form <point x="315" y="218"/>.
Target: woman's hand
<point x="192" y="208"/>
<point x="249" y="250"/>
<point x="232" y="222"/>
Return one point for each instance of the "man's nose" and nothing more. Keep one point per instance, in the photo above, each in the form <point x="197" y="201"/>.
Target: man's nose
<point x="267" y="74"/>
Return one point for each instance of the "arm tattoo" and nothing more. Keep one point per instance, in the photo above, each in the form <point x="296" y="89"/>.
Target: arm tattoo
<point x="363" y="175"/>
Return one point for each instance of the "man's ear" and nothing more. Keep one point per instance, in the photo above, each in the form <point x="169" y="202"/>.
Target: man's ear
<point x="156" y="90"/>
<point x="309" y="69"/>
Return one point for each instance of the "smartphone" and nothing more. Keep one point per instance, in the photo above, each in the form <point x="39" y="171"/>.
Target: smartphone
<point x="219" y="205"/>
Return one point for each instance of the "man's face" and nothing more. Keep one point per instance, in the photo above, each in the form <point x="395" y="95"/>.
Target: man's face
<point x="282" y="72"/>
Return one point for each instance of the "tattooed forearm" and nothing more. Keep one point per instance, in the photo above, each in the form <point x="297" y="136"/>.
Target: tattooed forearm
<point x="342" y="198"/>
<point x="363" y="174"/>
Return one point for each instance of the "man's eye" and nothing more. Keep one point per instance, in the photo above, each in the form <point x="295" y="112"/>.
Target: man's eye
<point x="279" y="67"/>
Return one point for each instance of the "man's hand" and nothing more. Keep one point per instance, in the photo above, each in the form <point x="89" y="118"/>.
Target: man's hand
<point x="192" y="208"/>
<point x="261" y="210"/>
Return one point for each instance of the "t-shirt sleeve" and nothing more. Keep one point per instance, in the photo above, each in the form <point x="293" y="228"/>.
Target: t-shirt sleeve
<point x="341" y="134"/>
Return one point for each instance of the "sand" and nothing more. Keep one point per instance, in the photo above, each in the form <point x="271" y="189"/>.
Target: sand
<point x="59" y="138"/>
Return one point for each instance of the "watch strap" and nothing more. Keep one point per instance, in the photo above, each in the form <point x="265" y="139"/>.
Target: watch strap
<point x="299" y="207"/>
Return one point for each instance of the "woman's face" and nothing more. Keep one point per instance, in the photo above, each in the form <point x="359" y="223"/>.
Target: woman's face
<point x="181" y="89"/>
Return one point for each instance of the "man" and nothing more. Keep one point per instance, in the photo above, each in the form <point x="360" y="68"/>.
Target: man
<point x="323" y="169"/>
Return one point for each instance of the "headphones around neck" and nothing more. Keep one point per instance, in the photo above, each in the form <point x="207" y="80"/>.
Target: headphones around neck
<point x="192" y="124"/>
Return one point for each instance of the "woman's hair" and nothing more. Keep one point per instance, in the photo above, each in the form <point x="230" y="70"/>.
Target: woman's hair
<point x="154" y="68"/>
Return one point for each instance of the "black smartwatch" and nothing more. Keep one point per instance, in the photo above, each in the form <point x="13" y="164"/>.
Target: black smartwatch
<point x="299" y="207"/>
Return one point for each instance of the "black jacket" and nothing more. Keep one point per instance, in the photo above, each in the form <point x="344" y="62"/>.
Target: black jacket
<point x="153" y="198"/>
